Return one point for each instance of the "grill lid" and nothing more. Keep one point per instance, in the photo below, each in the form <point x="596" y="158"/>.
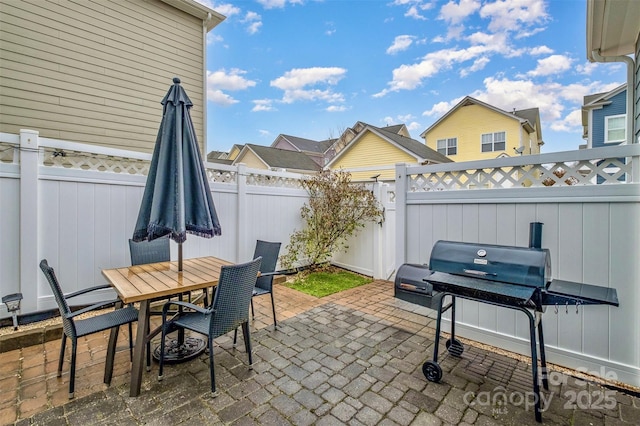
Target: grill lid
<point x="509" y="264"/>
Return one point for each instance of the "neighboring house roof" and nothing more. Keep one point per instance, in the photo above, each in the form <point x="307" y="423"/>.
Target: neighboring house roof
<point x="216" y="155"/>
<point x="276" y="158"/>
<point x="235" y="151"/>
<point x="308" y="145"/>
<point x="597" y="100"/>
<point x="612" y="27"/>
<point x="528" y="118"/>
<point x="418" y="150"/>
<point x="220" y="161"/>
<point x="395" y="128"/>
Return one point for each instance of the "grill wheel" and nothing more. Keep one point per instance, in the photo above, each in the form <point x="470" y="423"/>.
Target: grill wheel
<point x="455" y="347"/>
<point x="432" y="371"/>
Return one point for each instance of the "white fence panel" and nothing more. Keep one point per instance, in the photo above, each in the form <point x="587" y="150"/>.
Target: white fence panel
<point x="372" y="251"/>
<point x="9" y="231"/>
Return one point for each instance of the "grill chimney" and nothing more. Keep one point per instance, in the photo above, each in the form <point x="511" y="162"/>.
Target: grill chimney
<point x="535" y="235"/>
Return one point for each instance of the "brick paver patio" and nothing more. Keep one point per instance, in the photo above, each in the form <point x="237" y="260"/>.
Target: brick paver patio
<point x="352" y="358"/>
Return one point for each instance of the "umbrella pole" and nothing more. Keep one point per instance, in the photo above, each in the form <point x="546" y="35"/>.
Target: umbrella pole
<point x="179" y="257"/>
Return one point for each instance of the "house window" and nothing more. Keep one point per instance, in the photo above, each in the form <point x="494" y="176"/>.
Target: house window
<point x="615" y="128"/>
<point x="448" y="146"/>
<point x="494" y="141"/>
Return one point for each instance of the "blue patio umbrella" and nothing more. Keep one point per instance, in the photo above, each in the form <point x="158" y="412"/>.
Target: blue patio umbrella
<point x="177" y="198"/>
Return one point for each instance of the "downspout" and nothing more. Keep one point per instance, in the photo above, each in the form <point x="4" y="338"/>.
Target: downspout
<point x="630" y="73"/>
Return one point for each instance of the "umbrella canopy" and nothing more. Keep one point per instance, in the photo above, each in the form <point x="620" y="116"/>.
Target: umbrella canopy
<point x="177" y="199"/>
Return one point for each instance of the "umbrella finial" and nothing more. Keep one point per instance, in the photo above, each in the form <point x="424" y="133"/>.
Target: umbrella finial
<point x="176" y="80"/>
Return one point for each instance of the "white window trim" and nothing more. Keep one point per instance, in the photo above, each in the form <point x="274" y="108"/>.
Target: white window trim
<point x="606" y="128"/>
<point x="493" y="142"/>
<point x="446" y="145"/>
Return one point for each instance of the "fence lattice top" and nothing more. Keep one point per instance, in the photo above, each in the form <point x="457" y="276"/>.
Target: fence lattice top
<point x="597" y="167"/>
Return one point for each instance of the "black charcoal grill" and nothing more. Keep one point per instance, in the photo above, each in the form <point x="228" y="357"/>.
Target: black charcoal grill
<point x="512" y="277"/>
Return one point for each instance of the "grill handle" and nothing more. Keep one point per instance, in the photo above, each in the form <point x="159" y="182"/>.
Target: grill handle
<point x="480" y="273"/>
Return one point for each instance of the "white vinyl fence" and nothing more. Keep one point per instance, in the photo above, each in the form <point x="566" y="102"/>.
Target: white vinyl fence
<point x="76" y="205"/>
<point x="591" y="226"/>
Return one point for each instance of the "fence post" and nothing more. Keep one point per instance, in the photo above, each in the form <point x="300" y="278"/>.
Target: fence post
<point x="29" y="218"/>
<point x="401" y="213"/>
<point x="377" y="268"/>
<point x="242" y="213"/>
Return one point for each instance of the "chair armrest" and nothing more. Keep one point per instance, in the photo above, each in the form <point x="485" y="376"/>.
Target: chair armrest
<point x="196" y="308"/>
<point x="281" y="272"/>
<point x="86" y="290"/>
<point x="92" y="308"/>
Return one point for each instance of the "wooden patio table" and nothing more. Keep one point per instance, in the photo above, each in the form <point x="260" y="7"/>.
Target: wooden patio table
<point x="147" y="282"/>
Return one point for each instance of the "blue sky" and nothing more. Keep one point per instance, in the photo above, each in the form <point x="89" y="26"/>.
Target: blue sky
<point x="311" y="68"/>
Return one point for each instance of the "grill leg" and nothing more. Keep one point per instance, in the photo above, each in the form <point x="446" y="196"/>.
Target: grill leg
<point x="534" y="364"/>
<point x="453" y="318"/>
<point x="543" y="358"/>
<point x="437" y="339"/>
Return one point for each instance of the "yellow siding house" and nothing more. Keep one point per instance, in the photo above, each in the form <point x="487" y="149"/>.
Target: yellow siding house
<point x="374" y="151"/>
<point x="474" y="130"/>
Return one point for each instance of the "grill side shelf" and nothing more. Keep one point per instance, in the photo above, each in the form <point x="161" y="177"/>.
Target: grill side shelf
<point x="560" y="292"/>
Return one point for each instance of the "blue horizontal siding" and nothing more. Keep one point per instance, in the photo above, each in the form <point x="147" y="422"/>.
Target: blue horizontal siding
<point x="617" y="106"/>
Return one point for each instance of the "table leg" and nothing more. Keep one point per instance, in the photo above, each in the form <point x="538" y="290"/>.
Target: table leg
<point x="139" y="348"/>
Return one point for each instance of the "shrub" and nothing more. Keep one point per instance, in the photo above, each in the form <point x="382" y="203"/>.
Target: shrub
<point x="337" y="209"/>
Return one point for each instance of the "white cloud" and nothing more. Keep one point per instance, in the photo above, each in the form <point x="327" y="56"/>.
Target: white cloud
<point x="263" y="105"/>
<point x="571" y="123"/>
<point x="336" y="108"/>
<point x="300" y="84"/>
<point x="214" y="38"/>
<point x="226" y="9"/>
<point x="219" y="98"/>
<point x="291" y="96"/>
<point x="454" y="13"/>
<point x="540" y="50"/>
<point x="400" y="43"/>
<point x="409" y="77"/>
<point x="514" y="15"/>
<point x="525" y="34"/>
<point x="405" y="118"/>
<point x="441" y="108"/>
<point x="587" y="68"/>
<point x="220" y="81"/>
<point x="554" y="64"/>
<point x="413" y="12"/>
<point x="253" y="21"/>
<point x="272" y="4"/>
<point x="414" y="125"/>
<point x="264" y="132"/>
<point x="301" y="77"/>
<point x="277" y="4"/>
<point x="477" y="65"/>
<point x="231" y="80"/>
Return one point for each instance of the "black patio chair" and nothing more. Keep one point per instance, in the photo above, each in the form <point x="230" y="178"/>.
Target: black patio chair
<point x="158" y="250"/>
<point x="75" y="328"/>
<point x="229" y="310"/>
<point x="142" y="252"/>
<point x="264" y="285"/>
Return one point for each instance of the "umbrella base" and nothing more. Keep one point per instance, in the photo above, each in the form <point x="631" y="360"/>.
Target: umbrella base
<point x="175" y="353"/>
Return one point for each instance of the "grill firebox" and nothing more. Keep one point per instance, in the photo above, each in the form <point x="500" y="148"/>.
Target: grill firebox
<point x="508" y="276"/>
